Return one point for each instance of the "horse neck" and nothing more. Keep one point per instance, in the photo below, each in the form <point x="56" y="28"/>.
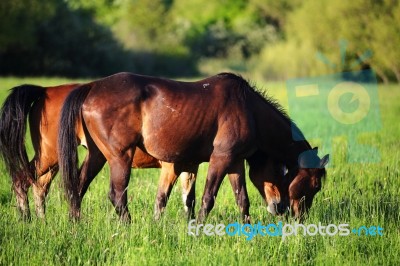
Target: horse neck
<point x="275" y="136"/>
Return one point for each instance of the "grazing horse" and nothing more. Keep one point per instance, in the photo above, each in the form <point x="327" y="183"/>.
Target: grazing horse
<point x="220" y="119"/>
<point x="43" y="106"/>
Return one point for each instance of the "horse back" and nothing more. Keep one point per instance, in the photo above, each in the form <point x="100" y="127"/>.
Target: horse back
<point x="170" y="119"/>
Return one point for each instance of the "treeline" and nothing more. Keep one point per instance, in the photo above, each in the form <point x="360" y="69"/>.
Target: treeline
<point x="269" y="38"/>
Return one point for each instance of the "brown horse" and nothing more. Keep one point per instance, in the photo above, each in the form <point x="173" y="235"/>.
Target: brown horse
<point x="43" y="105"/>
<point x="220" y="119"/>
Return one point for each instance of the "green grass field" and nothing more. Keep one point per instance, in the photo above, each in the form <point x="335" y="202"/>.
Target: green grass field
<point x="357" y="194"/>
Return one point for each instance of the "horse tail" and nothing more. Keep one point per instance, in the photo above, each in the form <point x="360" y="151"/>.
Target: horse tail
<point x="68" y="143"/>
<point x="13" y="120"/>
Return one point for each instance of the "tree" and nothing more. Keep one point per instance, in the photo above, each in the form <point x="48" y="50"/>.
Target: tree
<point x="18" y="19"/>
<point x="368" y="27"/>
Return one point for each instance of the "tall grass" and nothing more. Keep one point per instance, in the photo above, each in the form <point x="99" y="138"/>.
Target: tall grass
<point x="357" y="194"/>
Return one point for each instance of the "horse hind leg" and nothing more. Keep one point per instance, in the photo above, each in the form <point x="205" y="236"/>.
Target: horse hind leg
<point x="167" y="180"/>
<point x="188" y="183"/>
<point x="20" y="185"/>
<point x="41" y="188"/>
<point x="120" y="168"/>
<point x="92" y="165"/>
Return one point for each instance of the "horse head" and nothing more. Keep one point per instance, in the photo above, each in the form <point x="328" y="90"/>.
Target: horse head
<point x="306" y="181"/>
<point x="268" y="176"/>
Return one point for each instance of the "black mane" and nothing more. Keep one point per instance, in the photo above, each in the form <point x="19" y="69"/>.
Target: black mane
<point x="246" y="85"/>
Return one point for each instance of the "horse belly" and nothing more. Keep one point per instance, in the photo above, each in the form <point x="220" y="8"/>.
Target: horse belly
<point x="177" y="142"/>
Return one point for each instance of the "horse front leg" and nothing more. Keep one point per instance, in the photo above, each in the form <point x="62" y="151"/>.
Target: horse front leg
<point x="217" y="169"/>
<point x="238" y="183"/>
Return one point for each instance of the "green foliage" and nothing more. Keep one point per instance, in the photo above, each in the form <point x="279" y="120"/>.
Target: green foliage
<point x="318" y="26"/>
<point x="144" y="24"/>
<point x="64" y="42"/>
<point x="275" y="12"/>
<point x="272" y="39"/>
<point x="104" y="11"/>
<point x="17" y="20"/>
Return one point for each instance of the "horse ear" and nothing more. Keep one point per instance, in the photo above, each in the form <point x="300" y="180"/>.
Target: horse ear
<point x="324" y="161"/>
